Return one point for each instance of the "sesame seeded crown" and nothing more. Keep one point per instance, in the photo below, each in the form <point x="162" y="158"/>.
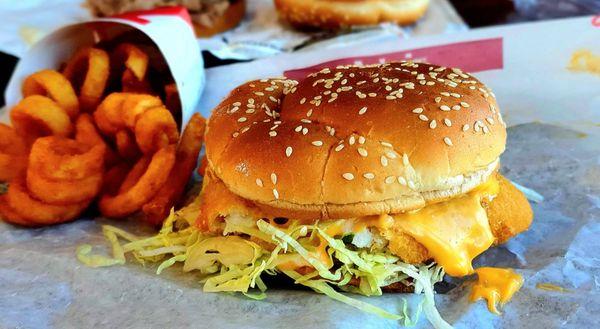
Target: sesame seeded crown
<point x="355" y="141"/>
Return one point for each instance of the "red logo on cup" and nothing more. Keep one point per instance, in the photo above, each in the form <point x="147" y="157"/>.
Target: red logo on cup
<point x="596" y="21"/>
<point x="135" y="16"/>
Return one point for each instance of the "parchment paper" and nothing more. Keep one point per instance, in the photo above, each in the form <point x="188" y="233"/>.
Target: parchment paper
<point x="552" y="147"/>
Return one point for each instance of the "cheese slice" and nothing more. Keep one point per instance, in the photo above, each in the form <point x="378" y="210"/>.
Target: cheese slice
<point x="455" y="231"/>
<point x="495" y="285"/>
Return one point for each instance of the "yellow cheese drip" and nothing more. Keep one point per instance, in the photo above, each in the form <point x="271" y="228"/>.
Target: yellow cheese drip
<point x="495" y="285"/>
<point x="454" y="232"/>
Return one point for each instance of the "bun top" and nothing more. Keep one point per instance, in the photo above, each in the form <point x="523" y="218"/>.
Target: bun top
<point x="356" y="141"/>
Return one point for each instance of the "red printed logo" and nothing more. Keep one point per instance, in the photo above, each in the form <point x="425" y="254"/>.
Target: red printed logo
<point x="471" y="56"/>
<point x="136" y="16"/>
<point x="596" y="21"/>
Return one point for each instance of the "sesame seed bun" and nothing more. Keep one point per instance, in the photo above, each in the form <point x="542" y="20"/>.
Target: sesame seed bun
<point x="334" y="14"/>
<point x="347" y="142"/>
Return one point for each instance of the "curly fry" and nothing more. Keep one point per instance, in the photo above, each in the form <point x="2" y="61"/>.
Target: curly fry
<point x="54" y="85"/>
<point x="36" y="116"/>
<point x="127" y="202"/>
<point x="88" y="70"/>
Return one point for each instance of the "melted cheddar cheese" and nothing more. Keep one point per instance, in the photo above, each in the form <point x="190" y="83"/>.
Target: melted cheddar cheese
<point x="495" y="285"/>
<point x="455" y="231"/>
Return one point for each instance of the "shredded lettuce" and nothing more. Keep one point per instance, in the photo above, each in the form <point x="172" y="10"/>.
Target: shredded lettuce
<point x="230" y="263"/>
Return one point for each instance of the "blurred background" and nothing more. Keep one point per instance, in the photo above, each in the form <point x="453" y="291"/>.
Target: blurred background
<point x="242" y="30"/>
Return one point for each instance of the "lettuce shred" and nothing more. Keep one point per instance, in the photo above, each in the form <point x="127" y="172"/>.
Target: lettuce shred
<point x="324" y="263"/>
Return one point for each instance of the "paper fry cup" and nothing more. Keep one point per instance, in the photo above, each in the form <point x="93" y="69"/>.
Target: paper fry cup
<point x="169" y="29"/>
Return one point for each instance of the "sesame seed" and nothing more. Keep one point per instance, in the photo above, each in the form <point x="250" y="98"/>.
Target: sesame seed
<point x="361" y="140"/>
<point x="447" y="122"/>
<point x="362" y="111"/>
<point x="456" y="107"/>
<point x="390" y="179"/>
<point x="401" y="180"/>
<point x="455" y="95"/>
<point x="489" y="120"/>
<point x="444" y="108"/>
<point x="275" y="193"/>
<point x="448" y="141"/>
<point x="273" y="99"/>
<point x="363" y="153"/>
<point x="423" y="117"/>
<point x="390" y="97"/>
<point x="351" y="140"/>
<point x="304" y="131"/>
<point x="418" y="110"/>
<point x="411" y="184"/>
<point x="273" y="178"/>
<point x="384" y="161"/>
<point x="465" y="127"/>
<point x="432" y="124"/>
<point x="242" y="119"/>
<point x="386" y="144"/>
<point x="236" y="104"/>
<point x="309" y="113"/>
<point x="486" y="129"/>
<point x="303" y="100"/>
<point x="297" y="129"/>
<point x="305" y="121"/>
<point x="369" y="175"/>
<point x="272" y="133"/>
<point x="391" y="155"/>
<point x="259" y="93"/>
<point x="259" y="182"/>
<point x="288" y="151"/>
<point x="405" y="159"/>
<point x="438" y="99"/>
<point x="339" y="147"/>
<point x="348" y="176"/>
<point x="317" y="143"/>
<point x="445" y="93"/>
<point x="235" y="134"/>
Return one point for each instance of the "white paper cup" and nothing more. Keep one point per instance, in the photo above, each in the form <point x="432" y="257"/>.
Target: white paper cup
<point x="168" y="28"/>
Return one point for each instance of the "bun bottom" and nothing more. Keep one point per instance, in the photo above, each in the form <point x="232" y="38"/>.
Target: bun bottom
<point x="327" y="14"/>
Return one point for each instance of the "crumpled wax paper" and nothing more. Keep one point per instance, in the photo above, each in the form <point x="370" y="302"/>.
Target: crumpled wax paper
<point x="44" y="286"/>
<point x="554" y="118"/>
<point x="260" y="34"/>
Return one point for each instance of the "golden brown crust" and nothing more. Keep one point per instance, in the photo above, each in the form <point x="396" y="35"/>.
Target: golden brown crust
<point x="346" y="142"/>
<point x="334" y="14"/>
<point x="509" y="213"/>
